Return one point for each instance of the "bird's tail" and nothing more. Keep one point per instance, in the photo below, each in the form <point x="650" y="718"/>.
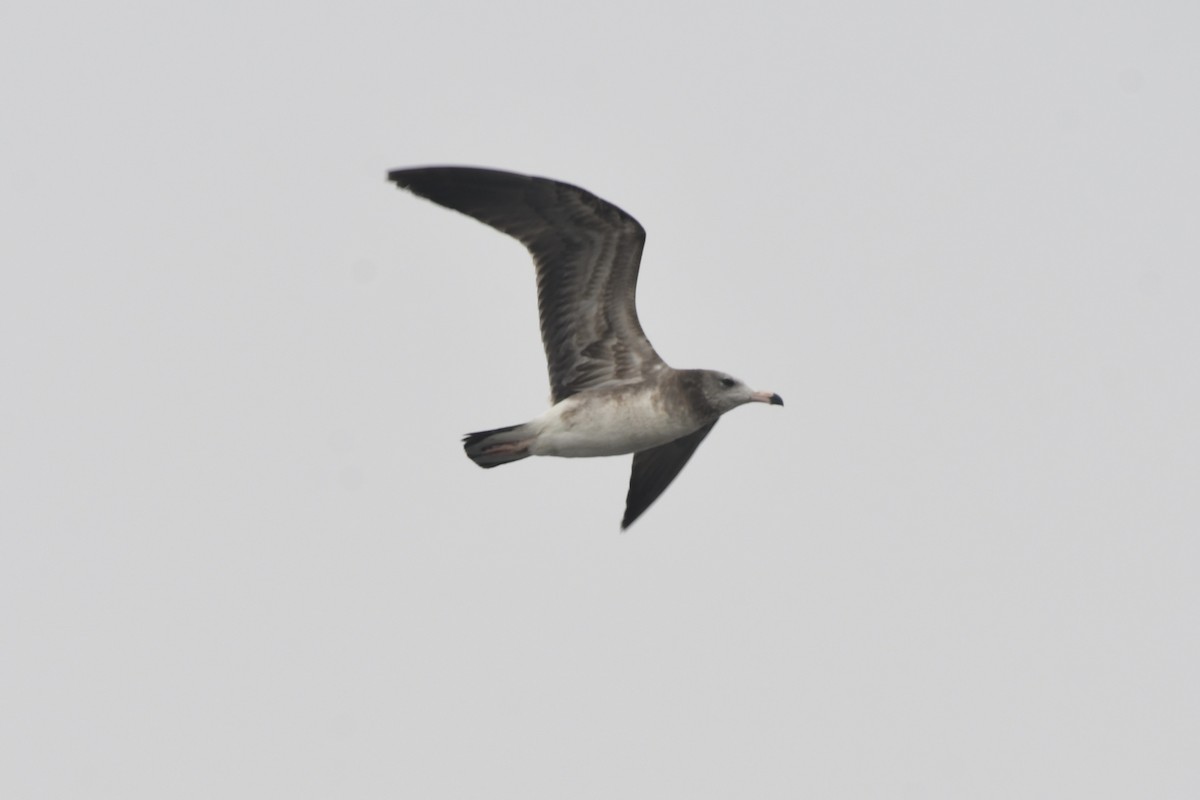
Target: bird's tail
<point x="499" y="446"/>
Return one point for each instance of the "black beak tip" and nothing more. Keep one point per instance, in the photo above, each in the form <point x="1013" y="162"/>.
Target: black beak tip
<point x="776" y="400"/>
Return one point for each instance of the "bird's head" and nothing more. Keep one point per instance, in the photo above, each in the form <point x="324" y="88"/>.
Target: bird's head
<point x="725" y="392"/>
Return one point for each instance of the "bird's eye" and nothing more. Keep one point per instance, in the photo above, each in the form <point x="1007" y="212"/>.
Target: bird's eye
<point x="728" y="383"/>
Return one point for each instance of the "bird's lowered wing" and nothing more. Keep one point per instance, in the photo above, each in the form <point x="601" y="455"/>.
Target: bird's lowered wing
<point x="654" y="469"/>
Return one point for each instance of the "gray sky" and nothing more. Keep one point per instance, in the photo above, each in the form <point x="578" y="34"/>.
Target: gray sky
<point x="243" y="554"/>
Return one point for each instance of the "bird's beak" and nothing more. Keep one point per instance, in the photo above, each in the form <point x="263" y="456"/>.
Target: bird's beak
<point x="767" y="397"/>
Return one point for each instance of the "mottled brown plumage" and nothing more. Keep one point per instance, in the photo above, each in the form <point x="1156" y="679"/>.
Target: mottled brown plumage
<point x="612" y="393"/>
<point x="587" y="253"/>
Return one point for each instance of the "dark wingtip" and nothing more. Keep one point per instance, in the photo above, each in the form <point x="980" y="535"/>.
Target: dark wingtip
<point x="405" y="177"/>
<point x="398" y="177"/>
<point x="776" y="400"/>
<point x="631" y="515"/>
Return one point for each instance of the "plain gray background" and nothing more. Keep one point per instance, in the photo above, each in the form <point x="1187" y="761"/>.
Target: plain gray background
<point x="243" y="554"/>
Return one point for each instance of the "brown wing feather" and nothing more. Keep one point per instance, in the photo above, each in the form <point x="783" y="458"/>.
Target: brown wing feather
<point x="654" y="469"/>
<point x="586" y="252"/>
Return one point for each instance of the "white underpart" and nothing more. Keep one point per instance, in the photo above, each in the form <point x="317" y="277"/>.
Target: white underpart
<point x="583" y="426"/>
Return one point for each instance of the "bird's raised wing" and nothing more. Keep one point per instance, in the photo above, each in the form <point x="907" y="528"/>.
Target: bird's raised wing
<point x="586" y="252"/>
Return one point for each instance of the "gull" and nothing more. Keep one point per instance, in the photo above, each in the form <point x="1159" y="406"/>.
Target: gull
<point x="611" y="393"/>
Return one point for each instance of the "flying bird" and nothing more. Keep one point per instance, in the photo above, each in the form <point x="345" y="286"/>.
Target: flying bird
<point x="611" y="393"/>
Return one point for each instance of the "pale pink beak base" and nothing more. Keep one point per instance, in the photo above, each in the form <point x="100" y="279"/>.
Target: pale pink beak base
<point x="767" y="397"/>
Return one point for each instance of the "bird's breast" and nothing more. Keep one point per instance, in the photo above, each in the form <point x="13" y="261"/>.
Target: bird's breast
<point x="608" y="424"/>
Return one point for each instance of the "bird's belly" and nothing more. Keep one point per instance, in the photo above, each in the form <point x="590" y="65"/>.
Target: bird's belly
<point x="581" y="427"/>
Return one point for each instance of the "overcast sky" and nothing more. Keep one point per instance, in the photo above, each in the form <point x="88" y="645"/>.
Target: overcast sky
<point x="243" y="555"/>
